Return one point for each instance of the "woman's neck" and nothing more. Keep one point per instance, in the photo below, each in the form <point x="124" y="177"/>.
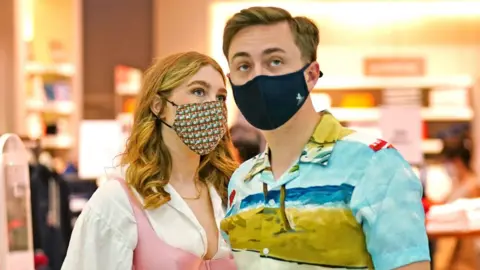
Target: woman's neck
<point x="184" y="161"/>
<point x="184" y="169"/>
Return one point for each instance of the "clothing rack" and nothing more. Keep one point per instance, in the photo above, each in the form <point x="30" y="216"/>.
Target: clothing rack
<point x="50" y="204"/>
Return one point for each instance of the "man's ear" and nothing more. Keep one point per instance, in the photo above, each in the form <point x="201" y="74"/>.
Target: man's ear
<point x="157" y="106"/>
<point x="312" y="74"/>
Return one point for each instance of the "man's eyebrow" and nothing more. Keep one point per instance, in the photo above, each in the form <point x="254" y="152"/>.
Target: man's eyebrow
<point x="272" y="50"/>
<point x="240" y="54"/>
<point x="265" y="52"/>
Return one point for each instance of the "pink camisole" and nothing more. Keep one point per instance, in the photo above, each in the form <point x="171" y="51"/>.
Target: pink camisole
<point x="151" y="253"/>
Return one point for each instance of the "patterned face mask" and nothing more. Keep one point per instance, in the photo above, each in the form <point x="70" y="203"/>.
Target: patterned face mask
<point x="200" y="126"/>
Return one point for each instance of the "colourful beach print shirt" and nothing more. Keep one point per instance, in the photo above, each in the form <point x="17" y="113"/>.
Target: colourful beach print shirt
<point x="349" y="202"/>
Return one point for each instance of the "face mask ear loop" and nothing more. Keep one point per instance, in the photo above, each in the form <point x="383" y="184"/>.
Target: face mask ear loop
<point x="163" y="122"/>
<point x="158" y="118"/>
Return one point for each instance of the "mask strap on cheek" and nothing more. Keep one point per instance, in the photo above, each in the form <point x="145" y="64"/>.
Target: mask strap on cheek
<point x="158" y="118"/>
<point x="165" y="123"/>
<point x="160" y="121"/>
<point x="167" y="100"/>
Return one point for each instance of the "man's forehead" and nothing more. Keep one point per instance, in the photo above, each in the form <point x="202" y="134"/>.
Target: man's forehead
<point x="273" y="28"/>
<point x="258" y="38"/>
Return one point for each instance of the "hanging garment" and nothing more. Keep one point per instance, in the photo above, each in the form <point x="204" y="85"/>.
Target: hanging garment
<point x="51" y="215"/>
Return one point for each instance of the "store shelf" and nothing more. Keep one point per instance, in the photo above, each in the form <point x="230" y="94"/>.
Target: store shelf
<point x="447" y="114"/>
<point x="428" y="114"/>
<point x="349" y="83"/>
<point x="57" y="107"/>
<point x="66" y="70"/>
<point x="57" y="142"/>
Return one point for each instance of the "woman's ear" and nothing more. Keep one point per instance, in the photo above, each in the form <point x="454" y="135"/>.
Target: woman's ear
<point x="156" y="106"/>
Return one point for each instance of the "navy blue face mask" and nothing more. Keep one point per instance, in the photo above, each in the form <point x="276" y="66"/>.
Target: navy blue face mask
<point x="268" y="102"/>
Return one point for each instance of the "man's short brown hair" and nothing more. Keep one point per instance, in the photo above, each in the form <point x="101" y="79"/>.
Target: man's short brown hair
<point x="304" y="30"/>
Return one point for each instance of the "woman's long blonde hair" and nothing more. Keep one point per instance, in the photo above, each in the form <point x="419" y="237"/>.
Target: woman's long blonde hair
<point x="148" y="161"/>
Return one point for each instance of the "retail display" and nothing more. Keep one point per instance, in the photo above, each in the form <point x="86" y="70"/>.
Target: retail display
<point x="48" y="77"/>
<point x="49" y="102"/>
<point x="128" y="82"/>
<point x="16" y="247"/>
<point x="436" y="115"/>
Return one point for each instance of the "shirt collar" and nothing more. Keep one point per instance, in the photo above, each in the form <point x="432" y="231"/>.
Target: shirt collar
<point x="318" y="149"/>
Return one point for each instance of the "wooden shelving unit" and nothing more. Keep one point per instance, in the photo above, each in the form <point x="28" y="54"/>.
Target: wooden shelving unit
<point x="49" y="74"/>
<point x="128" y="83"/>
<point x="435" y="116"/>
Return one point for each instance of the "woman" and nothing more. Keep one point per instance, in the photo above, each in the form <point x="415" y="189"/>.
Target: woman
<point x="458" y="166"/>
<point x="459" y="253"/>
<point x="178" y="162"/>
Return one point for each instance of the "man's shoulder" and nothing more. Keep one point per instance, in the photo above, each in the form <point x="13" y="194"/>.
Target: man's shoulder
<point x="366" y="141"/>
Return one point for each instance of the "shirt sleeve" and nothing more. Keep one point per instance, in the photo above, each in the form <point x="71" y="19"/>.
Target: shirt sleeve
<point x="388" y="203"/>
<point x="94" y="245"/>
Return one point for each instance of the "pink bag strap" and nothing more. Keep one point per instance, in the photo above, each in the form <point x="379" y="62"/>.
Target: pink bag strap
<point x="138" y="211"/>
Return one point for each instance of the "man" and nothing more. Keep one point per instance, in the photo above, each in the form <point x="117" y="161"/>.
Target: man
<point x="321" y="196"/>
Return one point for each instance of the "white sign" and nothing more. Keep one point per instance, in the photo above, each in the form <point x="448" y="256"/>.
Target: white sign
<point x="100" y="144"/>
<point x="401" y="122"/>
<point x="402" y="127"/>
<point x="16" y="240"/>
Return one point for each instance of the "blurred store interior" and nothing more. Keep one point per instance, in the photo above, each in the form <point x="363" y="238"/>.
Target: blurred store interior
<point x="70" y="71"/>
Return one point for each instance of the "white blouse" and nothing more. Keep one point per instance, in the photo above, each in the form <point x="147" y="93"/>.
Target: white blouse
<point x="105" y="234"/>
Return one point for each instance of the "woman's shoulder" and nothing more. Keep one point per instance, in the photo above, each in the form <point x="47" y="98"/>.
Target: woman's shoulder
<point x="110" y="201"/>
<point x="106" y="222"/>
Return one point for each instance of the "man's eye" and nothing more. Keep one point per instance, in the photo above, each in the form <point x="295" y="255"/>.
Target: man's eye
<point x="243" y="67"/>
<point x="222" y="98"/>
<point x="275" y="63"/>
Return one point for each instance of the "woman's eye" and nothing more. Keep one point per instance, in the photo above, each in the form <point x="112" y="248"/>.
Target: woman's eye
<point x="275" y="63"/>
<point x="199" y="92"/>
<point x="222" y="98"/>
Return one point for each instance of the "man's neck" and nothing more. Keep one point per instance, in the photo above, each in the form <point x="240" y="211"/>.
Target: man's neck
<point x="287" y="142"/>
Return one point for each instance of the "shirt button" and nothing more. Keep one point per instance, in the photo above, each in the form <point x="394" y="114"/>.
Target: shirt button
<point x="266" y="251"/>
<point x="271" y="202"/>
